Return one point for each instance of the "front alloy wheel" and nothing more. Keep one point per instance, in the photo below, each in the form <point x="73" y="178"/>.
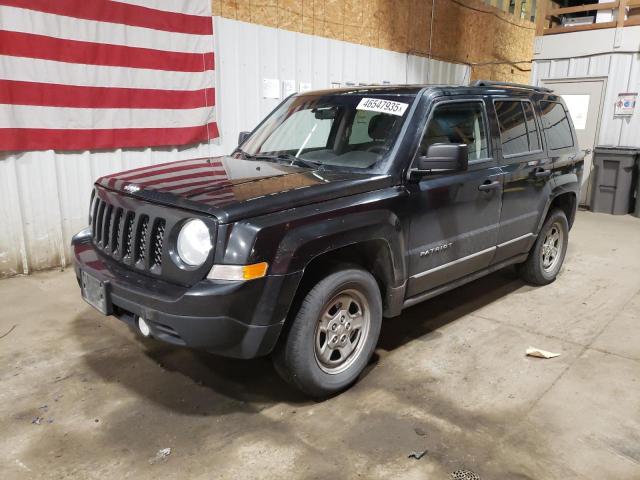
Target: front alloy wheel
<point x="341" y="331"/>
<point x="333" y="334"/>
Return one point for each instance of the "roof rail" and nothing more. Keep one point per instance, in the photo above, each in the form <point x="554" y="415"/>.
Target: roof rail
<point x="491" y="83"/>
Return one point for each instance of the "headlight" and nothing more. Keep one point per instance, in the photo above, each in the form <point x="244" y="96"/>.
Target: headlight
<point x="194" y="243"/>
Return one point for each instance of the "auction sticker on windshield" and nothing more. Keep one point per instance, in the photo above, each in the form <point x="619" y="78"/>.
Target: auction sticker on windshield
<point x="382" y="106"/>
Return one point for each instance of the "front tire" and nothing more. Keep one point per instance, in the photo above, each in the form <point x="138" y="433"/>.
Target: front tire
<point x="333" y="334"/>
<point x="547" y="255"/>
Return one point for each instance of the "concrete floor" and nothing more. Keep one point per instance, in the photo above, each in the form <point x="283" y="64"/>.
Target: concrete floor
<point x="450" y="376"/>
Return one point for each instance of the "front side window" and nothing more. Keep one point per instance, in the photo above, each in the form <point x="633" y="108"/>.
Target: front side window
<point x="556" y="125"/>
<point x="458" y="122"/>
<point x="354" y="130"/>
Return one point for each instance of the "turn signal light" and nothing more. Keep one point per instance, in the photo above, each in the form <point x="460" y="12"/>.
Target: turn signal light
<point x="238" y="272"/>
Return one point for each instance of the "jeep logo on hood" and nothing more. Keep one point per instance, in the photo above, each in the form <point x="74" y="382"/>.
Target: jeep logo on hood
<point x="131" y="188"/>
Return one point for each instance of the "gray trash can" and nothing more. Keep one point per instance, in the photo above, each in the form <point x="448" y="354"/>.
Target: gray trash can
<point x="613" y="179"/>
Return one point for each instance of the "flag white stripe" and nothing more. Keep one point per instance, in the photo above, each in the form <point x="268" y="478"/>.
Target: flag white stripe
<point x="49" y="71"/>
<point x="22" y="20"/>
<point x="200" y="7"/>
<point x="28" y="116"/>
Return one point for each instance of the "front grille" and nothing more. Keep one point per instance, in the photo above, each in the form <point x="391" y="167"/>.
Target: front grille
<point x="140" y="236"/>
<point x="127" y="236"/>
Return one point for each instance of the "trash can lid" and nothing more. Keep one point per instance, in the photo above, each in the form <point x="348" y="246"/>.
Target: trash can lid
<point x="622" y="149"/>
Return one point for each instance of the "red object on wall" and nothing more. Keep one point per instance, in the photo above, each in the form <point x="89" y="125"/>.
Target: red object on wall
<point x="78" y="75"/>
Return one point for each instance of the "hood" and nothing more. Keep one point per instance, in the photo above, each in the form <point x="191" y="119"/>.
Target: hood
<point x="232" y="188"/>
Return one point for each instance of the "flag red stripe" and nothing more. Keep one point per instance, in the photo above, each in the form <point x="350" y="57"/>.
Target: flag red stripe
<point x="196" y="186"/>
<point x="156" y="166"/>
<point x="123" y="13"/>
<point x="59" y="139"/>
<point x="15" y="92"/>
<point x="186" y="176"/>
<point x="165" y="171"/>
<point x="30" y="45"/>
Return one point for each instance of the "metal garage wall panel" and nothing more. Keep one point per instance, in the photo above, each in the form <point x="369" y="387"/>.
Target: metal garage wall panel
<point x="248" y="53"/>
<point x="622" y="71"/>
<point x="630" y="126"/>
<point x="599" y="65"/>
<point x="44" y="196"/>
<point x="44" y="199"/>
<point x="618" y="80"/>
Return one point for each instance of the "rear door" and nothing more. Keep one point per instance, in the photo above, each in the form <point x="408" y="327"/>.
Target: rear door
<point x="583" y="98"/>
<point x="527" y="173"/>
<point x="454" y="216"/>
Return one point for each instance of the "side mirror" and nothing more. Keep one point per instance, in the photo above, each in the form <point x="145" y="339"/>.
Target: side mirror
<point x="242" y="136"/>
<point x="445" y="157"/>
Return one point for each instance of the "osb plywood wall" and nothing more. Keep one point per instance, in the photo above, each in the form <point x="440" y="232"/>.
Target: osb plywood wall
<point x="496" y="44"/>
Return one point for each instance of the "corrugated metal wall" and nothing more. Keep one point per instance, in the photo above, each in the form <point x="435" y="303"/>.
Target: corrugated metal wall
<point x="44" y="196"/>
<point x="247" y="53"/>
<point x="44" y="200"/>
<point x="593" y="54"/>
<point x="623" y="75"/>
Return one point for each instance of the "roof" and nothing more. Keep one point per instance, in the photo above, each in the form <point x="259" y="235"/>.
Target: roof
<point x="480" y="86"/>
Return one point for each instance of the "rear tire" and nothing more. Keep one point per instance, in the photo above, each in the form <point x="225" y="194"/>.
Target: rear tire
<point x="547" y="254"/>
<point x="333" y="334"/>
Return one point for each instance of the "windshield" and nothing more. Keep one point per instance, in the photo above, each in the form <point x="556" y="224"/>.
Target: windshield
<point x="353" y="130"/>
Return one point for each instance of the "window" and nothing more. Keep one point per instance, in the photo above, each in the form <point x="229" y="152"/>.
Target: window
<point x="330" y="130"/>
<point x="458" y="122"/>
<point x="556" y="125"/>
<point x="532" y="127"/>
<point x="360" y="128"/>
<point x="302" y="128"/>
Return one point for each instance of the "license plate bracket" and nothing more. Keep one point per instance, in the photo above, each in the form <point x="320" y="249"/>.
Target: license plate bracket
<point x="94" y="292"/>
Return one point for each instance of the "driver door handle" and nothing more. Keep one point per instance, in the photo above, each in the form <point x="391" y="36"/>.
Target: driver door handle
<point x="489" y="185"/>
<point x="542" y="172"/>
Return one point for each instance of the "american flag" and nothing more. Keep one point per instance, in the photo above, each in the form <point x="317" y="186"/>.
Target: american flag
<point x="101" y="74"/>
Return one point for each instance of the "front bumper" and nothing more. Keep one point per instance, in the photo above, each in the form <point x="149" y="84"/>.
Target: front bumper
<point x="235" y="319"/>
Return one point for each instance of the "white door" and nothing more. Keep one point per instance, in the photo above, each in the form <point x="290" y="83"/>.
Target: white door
<point x="584" y="101"/>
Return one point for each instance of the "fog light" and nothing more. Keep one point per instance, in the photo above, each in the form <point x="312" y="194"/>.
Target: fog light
<point x="144" y="328"/>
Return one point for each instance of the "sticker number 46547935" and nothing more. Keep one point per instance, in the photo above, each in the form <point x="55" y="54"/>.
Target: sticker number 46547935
<point x="382" y="106"/>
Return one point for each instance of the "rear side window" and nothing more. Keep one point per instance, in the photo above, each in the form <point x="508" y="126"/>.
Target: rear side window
<point x="532" y="127"/>
<point x="458" y="122"/>
<point x="556" y="125"/>
<point x="518" y="129"/>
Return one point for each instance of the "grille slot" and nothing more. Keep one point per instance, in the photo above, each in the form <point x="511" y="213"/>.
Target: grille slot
<point x="157" y="239"/>
<point x="141" y="247"/>
<point x="99" y="218"/>
<point x="128" y="236"/>
<point x="106" y="233"/>
<point x="115" y="231"/>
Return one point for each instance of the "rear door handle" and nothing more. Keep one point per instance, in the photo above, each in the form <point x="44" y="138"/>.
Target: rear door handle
<point x="542" y="173"/>
<point x="489" y="185"/>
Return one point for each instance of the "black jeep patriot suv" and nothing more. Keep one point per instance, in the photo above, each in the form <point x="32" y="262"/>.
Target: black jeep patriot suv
<point x="341" y="207"/>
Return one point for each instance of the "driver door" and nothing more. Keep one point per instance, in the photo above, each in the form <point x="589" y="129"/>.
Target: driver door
<point x="454" y="215"/>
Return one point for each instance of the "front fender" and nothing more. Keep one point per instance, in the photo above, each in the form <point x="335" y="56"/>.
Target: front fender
<point x="305" y="243"/>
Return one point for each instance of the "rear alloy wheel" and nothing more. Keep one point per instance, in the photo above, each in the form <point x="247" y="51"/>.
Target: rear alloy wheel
<point x="551" y="247"/>
<point x="547" y="255"/>
<point x="333" y="334"/>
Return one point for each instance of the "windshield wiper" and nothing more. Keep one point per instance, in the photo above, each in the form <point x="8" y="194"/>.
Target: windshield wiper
<point x="286" y="158"/>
